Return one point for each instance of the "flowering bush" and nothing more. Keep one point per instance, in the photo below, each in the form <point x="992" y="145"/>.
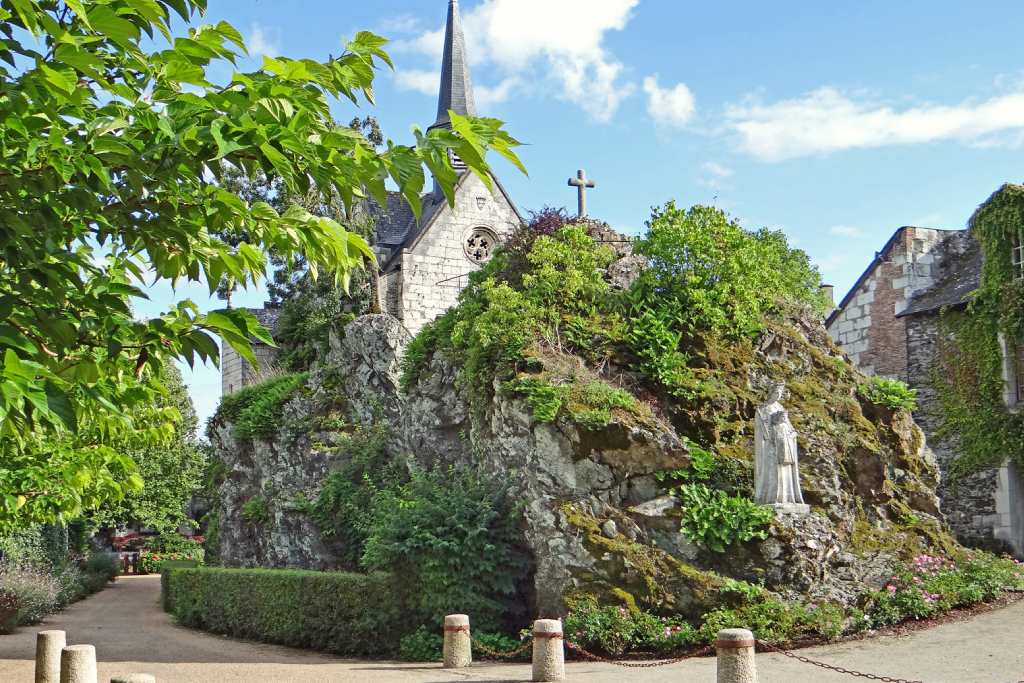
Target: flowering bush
<point x="35" y="592"/>
<point x="932" y="585"/>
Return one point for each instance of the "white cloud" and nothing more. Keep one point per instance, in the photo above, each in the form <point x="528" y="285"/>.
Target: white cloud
<point x="486" y="97"/>
<point x="261" y="43"/>
<point x="714" y="175"/>
<point x="834" y="264"/>
<point x="827" y="120"/>
<point x="401" y="24"/>
<point x="567" y="46"/>
<point x="716" y="170"/>
<point x="847" y="231"/>
<point x="421" y="81"/>
<point x="670" y="106"/>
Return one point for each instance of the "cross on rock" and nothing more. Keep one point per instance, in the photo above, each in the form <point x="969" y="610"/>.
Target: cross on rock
<point x="582" y="184"/>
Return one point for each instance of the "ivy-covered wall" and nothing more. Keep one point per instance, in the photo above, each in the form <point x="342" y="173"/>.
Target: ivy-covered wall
<point x="961" y="363"/>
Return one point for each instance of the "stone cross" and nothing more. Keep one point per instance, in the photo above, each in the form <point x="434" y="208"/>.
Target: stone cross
<point x="582" y="183"/>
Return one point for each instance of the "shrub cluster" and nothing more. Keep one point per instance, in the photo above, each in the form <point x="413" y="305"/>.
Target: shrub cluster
<point x="348" y="614"/>
<point x="170" y="548"/>
<point x="30" y="592"/>
<point x="927" y="587"/>
<point x="255" y="411"/>
<point x="889" y="393"/>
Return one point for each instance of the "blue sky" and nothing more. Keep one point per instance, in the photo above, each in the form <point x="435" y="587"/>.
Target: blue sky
<point x="835" y="122"/>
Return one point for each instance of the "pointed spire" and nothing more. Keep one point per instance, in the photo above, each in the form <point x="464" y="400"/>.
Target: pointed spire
<point x="456" y="86"/>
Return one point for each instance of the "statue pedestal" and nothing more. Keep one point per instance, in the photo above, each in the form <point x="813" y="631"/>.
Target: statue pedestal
<point x="791" y="508"/>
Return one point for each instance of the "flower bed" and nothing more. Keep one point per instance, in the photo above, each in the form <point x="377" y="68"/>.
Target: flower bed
<point x="151" y="562"/>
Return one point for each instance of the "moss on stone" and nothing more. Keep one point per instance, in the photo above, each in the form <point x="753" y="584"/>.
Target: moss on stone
<point x="649" y="576"/>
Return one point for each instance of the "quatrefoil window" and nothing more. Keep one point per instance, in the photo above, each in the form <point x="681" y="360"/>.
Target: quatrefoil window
<point x="480" y="244"/>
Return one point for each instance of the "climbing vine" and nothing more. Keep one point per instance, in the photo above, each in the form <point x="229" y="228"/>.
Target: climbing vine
<point x="968" y="376"/>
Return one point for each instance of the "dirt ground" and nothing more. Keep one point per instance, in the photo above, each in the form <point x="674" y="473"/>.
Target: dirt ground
<point x="133" y="635"/>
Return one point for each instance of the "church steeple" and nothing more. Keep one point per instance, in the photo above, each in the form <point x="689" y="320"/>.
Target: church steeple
<point x="456" y="87"/>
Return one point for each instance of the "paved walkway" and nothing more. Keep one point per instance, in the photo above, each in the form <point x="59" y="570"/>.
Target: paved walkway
<point x="132" y="634"/>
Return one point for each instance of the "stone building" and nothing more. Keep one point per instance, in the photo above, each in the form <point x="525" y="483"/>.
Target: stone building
<point x="424" y="264"/>
<point x="888" y="324"/>
<point x="235" y="371"/>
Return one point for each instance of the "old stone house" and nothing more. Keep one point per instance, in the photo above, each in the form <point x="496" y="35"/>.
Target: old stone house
<point x="424" y="264"/>
<point x="890" y="324"/>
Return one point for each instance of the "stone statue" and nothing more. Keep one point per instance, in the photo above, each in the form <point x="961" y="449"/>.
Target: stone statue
<point x="776" y="467"/>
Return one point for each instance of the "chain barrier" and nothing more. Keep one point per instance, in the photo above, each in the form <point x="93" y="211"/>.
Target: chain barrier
<point x="498" y="653"/>
<point x="830" y="667"/>
<point x="637" y="665"/>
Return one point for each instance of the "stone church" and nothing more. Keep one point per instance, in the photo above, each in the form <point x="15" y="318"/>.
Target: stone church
<point x="424" y="264"/>
<point x="888" y="324"/>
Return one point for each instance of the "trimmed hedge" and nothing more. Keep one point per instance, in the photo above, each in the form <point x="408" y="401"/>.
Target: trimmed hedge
<point x="348" y="614"/>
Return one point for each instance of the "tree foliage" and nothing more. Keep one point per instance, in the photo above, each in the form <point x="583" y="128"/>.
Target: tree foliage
<point x="712" y="275"/>
<point x="114" y="136"/>
<point x="172" y="472"/>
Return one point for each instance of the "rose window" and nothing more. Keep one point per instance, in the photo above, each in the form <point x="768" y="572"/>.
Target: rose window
<point x="480" y="244"/>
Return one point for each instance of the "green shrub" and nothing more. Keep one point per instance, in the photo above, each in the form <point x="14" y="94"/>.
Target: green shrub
<point x="705" y="272"/>
<point x="423" y="645"/>
<point x="588" y="403"/>
<point x="153" y="562"/>
<point x="890" y="393"/>
<point x="104" y="564"/>
<point x="616" y="630"/>
<point x="453" y="537"/>
<point x="256" y="511"/>
<point x="348" y="614"/>
<point x="777" y="621"/>
<point x="255" y="411"/>
<point x="715" y="519"/>
<point x="343" y="509"/>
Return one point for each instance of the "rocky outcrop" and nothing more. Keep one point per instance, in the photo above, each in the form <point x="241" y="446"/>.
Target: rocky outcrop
<point x="596" y="518"/>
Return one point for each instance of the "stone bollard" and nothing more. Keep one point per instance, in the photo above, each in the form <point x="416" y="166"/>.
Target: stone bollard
<point x="48" y="647"/>
<point x="736" y="656"/>
<point x="548" y="650"/>
<point x="134" y="678"/>
<point x="458" y="646"/>
<point x="78" y="664"/>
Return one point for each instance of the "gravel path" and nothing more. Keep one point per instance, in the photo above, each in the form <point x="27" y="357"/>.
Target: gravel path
<point x="132" y="634"/>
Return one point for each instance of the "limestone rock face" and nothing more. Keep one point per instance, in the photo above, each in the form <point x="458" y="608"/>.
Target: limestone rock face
<point x="597" y="520"/>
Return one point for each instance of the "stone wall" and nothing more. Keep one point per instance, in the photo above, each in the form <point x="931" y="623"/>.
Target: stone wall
<point x="435" y="267"/>
<point x="867" y="327"/>
<point x="971" y="505"/>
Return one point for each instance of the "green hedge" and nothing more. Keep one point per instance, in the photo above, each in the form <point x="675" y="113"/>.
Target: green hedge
<point x="349" y="614"/>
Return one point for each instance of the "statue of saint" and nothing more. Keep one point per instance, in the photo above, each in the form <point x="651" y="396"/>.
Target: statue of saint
<point x="776" y="466"/>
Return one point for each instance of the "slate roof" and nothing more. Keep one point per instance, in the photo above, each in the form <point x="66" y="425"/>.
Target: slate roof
<point x="393" y="220"/>
<point x="955" y="288"/>
<point x="456" y="86"/>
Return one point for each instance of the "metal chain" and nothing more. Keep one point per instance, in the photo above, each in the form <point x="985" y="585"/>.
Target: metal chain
<point x="636" y="665"/>
<point x="830" y="667"/>
<point x="499" y="654"/>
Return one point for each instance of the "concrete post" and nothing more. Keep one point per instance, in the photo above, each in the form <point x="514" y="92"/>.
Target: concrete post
<point x="48" y="647"/>
<point x="458" y="645"/>
<point x="134" y="678"/>
<point x="736" y="656"/>
<point x="548" y="650"/>
<point x="78" y="664"/>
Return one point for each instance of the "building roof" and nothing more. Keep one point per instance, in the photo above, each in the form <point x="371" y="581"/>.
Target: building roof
<point x="879" y="257"/>
<point x="456" y="87"/>
<point x="955" y="288"/>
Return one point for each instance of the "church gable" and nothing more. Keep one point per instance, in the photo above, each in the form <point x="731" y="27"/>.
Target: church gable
<point x="452" y="243"/>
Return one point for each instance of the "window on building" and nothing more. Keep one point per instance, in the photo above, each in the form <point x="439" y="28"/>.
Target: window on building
<point x="1018" y="254"/>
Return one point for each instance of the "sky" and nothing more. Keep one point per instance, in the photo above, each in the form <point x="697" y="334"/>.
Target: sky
<point x="834" y="122"/>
